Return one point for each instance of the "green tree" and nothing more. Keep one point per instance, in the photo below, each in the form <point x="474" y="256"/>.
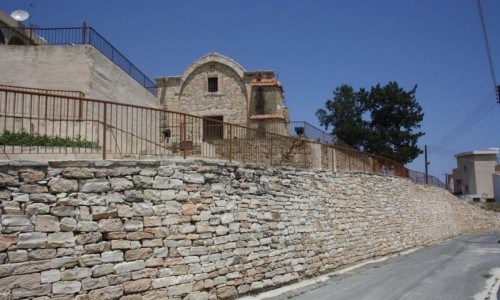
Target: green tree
<point x="382" y="121"/>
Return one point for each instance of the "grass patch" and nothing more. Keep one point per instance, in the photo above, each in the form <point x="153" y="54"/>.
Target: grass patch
<point x="24" y="138"/>
<point x="487" y="275"/>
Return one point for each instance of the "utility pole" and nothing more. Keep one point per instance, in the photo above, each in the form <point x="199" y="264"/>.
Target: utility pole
<point x="426" y="166"/>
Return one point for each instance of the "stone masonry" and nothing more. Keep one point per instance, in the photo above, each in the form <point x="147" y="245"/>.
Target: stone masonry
<point x="202" y="229"/>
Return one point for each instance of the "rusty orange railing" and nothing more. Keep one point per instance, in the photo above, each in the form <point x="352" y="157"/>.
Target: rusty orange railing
<point x="111" y="130"/>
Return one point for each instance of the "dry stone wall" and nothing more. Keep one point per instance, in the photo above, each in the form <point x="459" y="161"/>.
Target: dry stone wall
<point x="203" y="230"/>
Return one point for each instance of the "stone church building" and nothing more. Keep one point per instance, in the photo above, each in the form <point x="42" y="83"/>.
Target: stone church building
<point x="219" y="89"/>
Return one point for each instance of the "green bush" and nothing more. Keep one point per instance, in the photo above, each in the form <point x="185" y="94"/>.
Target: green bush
<point x="26" y="139"/>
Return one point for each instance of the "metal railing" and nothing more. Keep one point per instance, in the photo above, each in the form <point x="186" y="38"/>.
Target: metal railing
<point x="304" y="129"/>
<point x="84" y="36"/>
<point x="49" y="124"/>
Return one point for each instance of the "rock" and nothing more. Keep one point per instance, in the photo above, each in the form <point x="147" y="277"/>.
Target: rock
<point x="139" y="235"/>
<point x="43" y="198"/>
<point x="92" y="199"/>
<point x="129" y="266"/>
<point x="32" y="176"/>
<point x="6" y="240"/>
<point x="68" y="224"/>
<point x="227" y="218"/>
<point x="180" y="289"/>
<point x="197" y="296"/>
<point x="141" y="253"/>
<point x="89" y="260"/>
<point x="16" y="220"/>
<point x="189" y="209"/>
<point x="102" y="270"/>
<point x="50" y="276"/>
<point x="88" y="238"/>
<point x="40" y="254"/>
<point x="16" y="281"/>
<point x="161" y="183"/>
<point x="112" y="256"/>
<point x="78" y="173"/>
<point x="120" y="184"/>
<point x="107" y="293"/>
<point x="194" y="178"/>
<point x="32" y="240"/>
<point x="142" y="209"/>
<point x="105" y="215"/>
<point x="63" y="211"/>
<point x="63" y="262"/>
<point x="7" y="180"/>
<point x="142" y="182"/>
<point x="87" y="226"/>
<point x="94" y="186"/>
<point x="37" y="209"/>
<point x="17" y="256"/>
<point x="61" y="240"/>
<point x="75" y="274"/>
<point x="31" y="291"/>
<point x="94" y="283"/>
<point x="134" y="196"/>
<point x="66" y="287"/>
<point x="24" y="268"/>
<point x="21" y="197"/>
<point x="108" y="225"/>
<point x="61" y="185"/>
<point x="45" y="223"/>
<point x="136" y="286"/>
<point x="226" y="292"/>
<point x="97" y="248"/>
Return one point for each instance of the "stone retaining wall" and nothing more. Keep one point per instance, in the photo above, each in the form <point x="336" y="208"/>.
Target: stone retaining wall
<point x="203" y="230"/>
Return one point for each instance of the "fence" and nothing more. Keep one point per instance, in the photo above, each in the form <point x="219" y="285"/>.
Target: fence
<point x="83" y="36"/>
<point x="40" y="123"/>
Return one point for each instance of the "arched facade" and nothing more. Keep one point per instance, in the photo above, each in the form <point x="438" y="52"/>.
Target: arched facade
<point x="218" y="87"/>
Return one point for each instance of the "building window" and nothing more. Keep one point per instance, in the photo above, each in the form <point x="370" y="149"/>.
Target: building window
<point x="465" y="168"/>
<point x="466" y="189"/>
<point x="213" y="84"/>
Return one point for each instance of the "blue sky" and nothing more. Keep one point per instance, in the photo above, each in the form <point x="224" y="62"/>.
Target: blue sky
<point x="316" y="45"/>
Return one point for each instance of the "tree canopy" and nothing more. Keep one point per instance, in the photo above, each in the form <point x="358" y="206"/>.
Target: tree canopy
<point x="384" y="120"/>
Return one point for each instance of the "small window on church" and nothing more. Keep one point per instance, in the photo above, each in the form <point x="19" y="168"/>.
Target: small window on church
<point x="213" y="84"/>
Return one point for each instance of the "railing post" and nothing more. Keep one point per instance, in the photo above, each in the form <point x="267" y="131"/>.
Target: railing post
<point x="84" y="33"/>
<point x="271" y="151"/>
<point x="183" y="137"/>
<point x="104" y="127"/>
<point x="230" y="142"/>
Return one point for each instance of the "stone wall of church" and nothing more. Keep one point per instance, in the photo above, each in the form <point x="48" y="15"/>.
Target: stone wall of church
<point x="204" y="230"/>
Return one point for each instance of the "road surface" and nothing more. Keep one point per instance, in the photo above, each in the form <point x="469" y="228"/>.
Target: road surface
<point x="461" y="268"/>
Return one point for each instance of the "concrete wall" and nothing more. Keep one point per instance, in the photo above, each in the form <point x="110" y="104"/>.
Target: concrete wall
<point x="204" y="230"/>
<point x="80" y="67"/>
<point x="496" y="186"/>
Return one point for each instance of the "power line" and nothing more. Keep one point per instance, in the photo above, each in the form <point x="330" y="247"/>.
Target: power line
<point x="488" y="51"/>
<point x="472" y="119"/>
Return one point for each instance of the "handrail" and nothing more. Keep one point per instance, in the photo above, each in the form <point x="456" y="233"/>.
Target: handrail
<point x="85" y="36"/>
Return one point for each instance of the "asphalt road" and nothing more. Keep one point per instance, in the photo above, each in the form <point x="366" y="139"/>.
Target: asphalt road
<point x="460" y="268"/>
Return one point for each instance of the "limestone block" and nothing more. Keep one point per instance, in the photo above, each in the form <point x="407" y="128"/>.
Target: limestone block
<point x="146" y="273"/>
<point x="50" y="276"/>
<point x="107" y="293"/>
<point x="37" y="209"/>
<point x="180" y="289"/>
<point x="92" y="199"/>
<point x="152" y="221"/>
<point x="7" y="180"/>
<point x="77" y="173"/>
<point x="21" y="197"/>
<point x="94" y="283"/>
<point x="194" y="178"/>
<point x="161" y="182"/>
<point x="46" y="223"/>
<point x="102" y="270"/>
<point x="31" y="291"/>
<point x="227" y="218"/>
<point x="108" y="225"/>
<point x="134" y="196"/>
<point x="68" y="224"/>
<point x="161" y="252"/>
<point x="32" y="240"/>
<point x="139" y="235"/>
<point x="15" y="281"/>
<point x="97" y="248"/>
<point x="142" y="182"/>
<point x="124" y="211"/>
<point x="63" y="262"/>
<point x="129" y="266"/>
<point x="75" y="274"/>
<point x="61" y="240"/>
<point x="112" y="256"/>
<point x="33" y="189"/>
<point x="61" y="185"/>
<point x="17" y="256"/>
<point x="136" y="286"/>
<point x="120" y="184"/>
<point x="110" y="213"/>
<point x="40" y="254"/>
<point x="66" y="287"/>
<point x="88" y="238"/>
<point x="143" y="253"/>
<point x="6" y="240"/>
<point x="89" y="260"/>
<point x="119" y="278"/>
<point x="16" y="220"/>
<point x="94" y="186"/>
<point x="142" y="209"/>
<point x="63" y="211"/>
<point x="24" y="268"/>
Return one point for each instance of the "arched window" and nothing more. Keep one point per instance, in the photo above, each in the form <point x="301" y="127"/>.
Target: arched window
<point x="16" y="41"/>
<point x="2" y="38"/>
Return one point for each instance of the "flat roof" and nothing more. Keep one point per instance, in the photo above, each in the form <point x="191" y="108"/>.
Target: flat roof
<point x="484" y="152"/>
